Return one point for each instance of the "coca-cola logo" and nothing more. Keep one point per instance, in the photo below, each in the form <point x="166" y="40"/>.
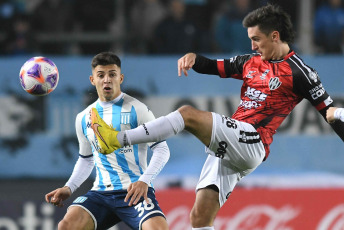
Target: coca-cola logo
<point x="334" y="219"/>
<point x="257" y="217"/>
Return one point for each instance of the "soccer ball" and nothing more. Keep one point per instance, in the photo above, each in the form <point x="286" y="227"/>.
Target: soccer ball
<point x="39" y="76"/>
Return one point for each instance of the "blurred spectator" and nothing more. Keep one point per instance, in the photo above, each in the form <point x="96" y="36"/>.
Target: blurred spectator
<point x="145" y="15"/>
<point x="175" y="34"/>
<point x="19" y="40"/>
<point x="94" y="16"/>
<point x="7" y="12"/>
<point x="201" y="14"/>
<point x="329" y="27"/>
<point x="230" y="34"/>
<point x="52" y="17"/>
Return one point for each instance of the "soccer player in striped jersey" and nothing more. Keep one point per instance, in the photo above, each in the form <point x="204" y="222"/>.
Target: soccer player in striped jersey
<point x="275" y="79"/>
<point x="123" y="189"/>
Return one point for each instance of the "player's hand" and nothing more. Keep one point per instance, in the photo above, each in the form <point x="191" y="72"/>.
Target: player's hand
<point x="57" y="196"/>
<point x="185" y="63"/>
<point x="136" y="190"/>
<point x="330" y="114"/>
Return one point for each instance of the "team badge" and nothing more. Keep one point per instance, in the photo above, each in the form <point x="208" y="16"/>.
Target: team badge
<point x="125" y="118"/>
<point x="274" y="83"/>
<point x="80" y="199"/>
<point x="313" y="76"/>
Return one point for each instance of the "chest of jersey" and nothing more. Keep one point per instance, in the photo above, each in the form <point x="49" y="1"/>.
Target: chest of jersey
<point x="267" y="82"/>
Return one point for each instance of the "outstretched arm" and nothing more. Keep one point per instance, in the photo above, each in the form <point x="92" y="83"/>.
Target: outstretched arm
<point x="198" y="63"/>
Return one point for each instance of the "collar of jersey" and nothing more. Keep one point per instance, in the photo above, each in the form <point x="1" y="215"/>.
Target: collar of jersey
<point x="290" y="53"/>
<point x="105" y="104"/>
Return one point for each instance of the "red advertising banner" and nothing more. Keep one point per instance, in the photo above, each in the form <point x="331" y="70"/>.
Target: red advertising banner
<point x="258" y="209"/>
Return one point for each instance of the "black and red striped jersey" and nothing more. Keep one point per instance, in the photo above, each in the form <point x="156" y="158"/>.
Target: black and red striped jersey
<point x="270" y="89"/>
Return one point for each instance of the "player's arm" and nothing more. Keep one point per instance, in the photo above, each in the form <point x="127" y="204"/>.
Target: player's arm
<point x="224" y="68"/>
<point x="85" y="163"/>
<point x="81" y="172"/>
<point x="161" y="154"/>
<point x="310" y="87"/>
<point x="336" y="125"/>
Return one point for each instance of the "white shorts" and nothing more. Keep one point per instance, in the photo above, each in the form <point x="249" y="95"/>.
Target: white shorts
<point x="235" y="151"/>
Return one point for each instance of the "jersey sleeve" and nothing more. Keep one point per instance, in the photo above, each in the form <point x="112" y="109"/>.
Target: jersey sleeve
<point x="225" y="68"/>
<point x="307" y="84"/>
<point x="85" y="149"/>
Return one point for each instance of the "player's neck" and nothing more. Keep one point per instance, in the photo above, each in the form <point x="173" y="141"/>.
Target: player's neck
<point x="282" y="51"/>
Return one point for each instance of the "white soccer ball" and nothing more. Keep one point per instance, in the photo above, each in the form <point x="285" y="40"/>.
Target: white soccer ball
<point x="39" y="76"/>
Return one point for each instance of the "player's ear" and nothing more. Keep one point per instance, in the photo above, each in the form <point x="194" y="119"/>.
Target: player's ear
<point x="122" y="77"/>
<point x="275" y="35"/>
<point x="92" y="80"/>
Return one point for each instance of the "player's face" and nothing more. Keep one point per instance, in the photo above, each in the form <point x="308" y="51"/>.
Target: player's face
<point x="263" y="44"/>
<point x="107" y="79"/>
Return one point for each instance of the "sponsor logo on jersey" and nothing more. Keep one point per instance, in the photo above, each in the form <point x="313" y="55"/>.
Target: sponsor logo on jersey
<point x="125" y="150"/>
<point x="125" y="118"/>
<point x="249" y="104"/>
<point x="317" y="91"/>
<point x="255" y="95"/>
<point x="274" y="83"/>
<point x="249" y="137"/>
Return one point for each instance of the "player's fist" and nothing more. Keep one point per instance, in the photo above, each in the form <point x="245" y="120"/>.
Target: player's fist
<point x="330" y="114"/>
<point x="57" y="196"/>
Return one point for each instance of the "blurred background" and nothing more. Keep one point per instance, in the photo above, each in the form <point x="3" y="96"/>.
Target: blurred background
<point x="303" y="178"/>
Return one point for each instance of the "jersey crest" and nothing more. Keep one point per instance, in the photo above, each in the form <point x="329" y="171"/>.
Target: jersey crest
<point x="274" y="83"/>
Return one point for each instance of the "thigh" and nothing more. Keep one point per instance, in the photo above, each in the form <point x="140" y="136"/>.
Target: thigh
<point x="78" y="218"/>
<point x="197" y="122"/>
<point x="136" y="216"/>
<point x="236" y="142"/>
<point x="96" y="204"/>
<point x="217" y="172"/>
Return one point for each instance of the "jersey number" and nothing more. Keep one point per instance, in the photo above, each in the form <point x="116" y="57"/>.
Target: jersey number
<point x="141" y="207"/>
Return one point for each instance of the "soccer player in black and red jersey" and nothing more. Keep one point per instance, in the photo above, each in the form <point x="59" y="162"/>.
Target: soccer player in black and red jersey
<point x="275" y="79"/>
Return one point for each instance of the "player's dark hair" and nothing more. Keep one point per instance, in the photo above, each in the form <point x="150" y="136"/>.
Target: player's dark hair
<point x="271" y="18"/>
<point x="105" y="58"/>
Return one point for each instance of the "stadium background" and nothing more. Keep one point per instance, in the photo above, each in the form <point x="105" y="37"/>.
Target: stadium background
<point x="300" y="186"/>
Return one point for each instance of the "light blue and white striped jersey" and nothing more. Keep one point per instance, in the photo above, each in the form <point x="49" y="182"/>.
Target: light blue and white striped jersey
<point x="116" y="170"/>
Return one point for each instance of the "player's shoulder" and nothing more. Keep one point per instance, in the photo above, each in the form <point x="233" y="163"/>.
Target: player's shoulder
<point x="141" y="109"/>
<point x="133" y="101"/>
<point x="301" y="70"/>
<point x="86" y="111"/>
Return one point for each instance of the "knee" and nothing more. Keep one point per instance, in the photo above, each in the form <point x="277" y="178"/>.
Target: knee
<point x="188" y="113"/>
<point x="198" y="218"/>
<point x="186" y="110"/>
<point x="64" y="225"/>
